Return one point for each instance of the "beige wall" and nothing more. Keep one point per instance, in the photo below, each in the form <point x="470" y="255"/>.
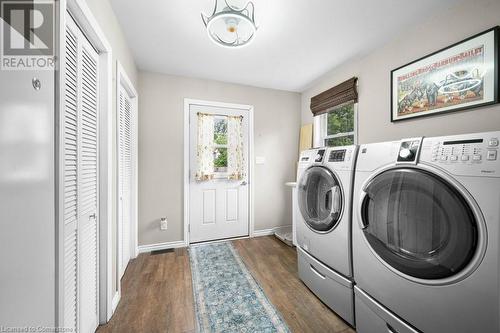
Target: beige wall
<point x="161" y="135"/>
<point x="103" y="12"/>
<point x="436" y="32"/>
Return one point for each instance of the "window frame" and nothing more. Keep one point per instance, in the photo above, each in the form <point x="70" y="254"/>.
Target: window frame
<point x="323" y="126"/>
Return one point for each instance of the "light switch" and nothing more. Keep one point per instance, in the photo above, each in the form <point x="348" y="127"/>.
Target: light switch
<point x="260" y="160"/>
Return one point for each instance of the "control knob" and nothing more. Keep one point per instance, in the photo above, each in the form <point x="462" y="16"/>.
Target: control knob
<point x="405" y="153"/>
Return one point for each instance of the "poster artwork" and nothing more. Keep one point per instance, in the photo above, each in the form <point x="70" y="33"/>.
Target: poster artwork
<point x="452" y="81"/>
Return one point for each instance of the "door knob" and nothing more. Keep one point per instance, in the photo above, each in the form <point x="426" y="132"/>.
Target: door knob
<point x="243" y="183"/>
<point x="93" y="216"/>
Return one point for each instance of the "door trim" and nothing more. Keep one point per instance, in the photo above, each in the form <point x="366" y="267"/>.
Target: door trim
<point x="187" y="103"/>
<point x="123" y="80"/>
<point x="83" y="16"/>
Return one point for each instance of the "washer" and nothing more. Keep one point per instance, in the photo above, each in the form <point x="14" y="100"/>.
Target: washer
<point x="426" y="235"/>
<point x="324" y="195"/>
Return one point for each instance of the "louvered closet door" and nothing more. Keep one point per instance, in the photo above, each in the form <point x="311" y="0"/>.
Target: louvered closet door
<point x="88" y="188"/>
<point x="81" y="182"/>
<point x="125" y="177"/>
<point x="70" y="179"/>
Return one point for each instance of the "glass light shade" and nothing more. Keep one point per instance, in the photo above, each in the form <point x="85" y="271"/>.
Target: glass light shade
<point x="231" y="26"/>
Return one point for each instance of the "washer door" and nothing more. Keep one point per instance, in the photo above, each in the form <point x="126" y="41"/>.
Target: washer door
<point x="419" y="224"/>
<point x="320" y="199"/>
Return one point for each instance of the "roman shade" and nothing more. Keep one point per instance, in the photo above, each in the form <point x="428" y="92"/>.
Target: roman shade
<point x="340" y="94"/>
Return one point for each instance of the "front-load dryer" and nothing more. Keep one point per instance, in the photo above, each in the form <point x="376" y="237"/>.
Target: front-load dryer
<point x="426" y="215"/>
<point x="324" y="193"/>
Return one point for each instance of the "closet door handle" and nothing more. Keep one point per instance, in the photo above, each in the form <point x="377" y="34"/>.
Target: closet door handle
<point x="93" y="216"/>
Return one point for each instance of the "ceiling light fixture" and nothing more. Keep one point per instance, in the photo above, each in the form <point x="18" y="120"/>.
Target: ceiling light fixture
<point x="230" y="25"/>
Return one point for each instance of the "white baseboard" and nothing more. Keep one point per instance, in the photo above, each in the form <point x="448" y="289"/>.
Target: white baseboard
<point x="282" y="227"/>
<point x="263" y="232"/>
<point x="115" y="301"/>
<point x="268" y="232"/>
<point x="161" y="246"/>
<point x="177" y="244"/>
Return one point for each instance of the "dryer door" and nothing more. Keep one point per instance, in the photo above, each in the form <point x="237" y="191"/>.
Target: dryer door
<point x="320" y="199"/>
<point x="419" y="224"/>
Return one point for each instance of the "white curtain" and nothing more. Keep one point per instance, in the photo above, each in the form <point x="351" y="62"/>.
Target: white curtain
<point x="205" y="151"/>
<point x="235" y="163"/>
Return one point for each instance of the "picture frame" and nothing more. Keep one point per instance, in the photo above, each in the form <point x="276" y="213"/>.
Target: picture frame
<point x="459" y="77"/>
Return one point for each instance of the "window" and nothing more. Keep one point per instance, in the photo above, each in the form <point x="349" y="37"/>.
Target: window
<point x="338" y="127"/>
<point x="220" y="144"/>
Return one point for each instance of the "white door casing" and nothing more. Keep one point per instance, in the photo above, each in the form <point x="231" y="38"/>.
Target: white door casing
<point x="218" y="208"/>
<point x="80" y="176"/>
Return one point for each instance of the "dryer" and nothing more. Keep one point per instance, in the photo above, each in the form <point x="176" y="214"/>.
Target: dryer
<point x="324" y="194"/>
<point x="426" y="235"/>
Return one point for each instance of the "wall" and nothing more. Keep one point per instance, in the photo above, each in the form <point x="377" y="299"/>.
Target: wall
<point x="436" y="32"/>
<point x="27" y="196"/>
<point x="103" y="12"/>
<point x="27" y="242"/>
<point x="161" y="117"/>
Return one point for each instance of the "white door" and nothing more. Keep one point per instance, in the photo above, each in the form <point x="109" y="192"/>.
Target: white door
<point x="124" y="177"/>
<point x="88" y="188"/>
<point x="80" y="182"/>
<point x="218" y="208"/>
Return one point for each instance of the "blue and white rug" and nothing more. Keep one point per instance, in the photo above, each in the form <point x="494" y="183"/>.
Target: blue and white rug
<point x="227" y="298"/>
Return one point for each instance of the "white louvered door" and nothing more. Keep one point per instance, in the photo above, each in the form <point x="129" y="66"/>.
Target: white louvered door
<point x="81" y="182"/>
<point x="70" y="178"/>
<point x="125" y="176"/>
<point x="87" y="182"/>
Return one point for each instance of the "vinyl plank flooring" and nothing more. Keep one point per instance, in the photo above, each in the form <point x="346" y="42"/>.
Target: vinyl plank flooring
<point x="274" y="265"/>
<point x="157" y="293"/>
<point x="156" y="296"/>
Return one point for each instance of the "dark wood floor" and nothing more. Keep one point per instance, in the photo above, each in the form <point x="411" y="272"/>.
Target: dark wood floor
<point x="157" y="292"/>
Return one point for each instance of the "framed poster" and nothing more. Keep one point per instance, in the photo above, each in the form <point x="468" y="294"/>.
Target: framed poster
<point x="461" y="76"/>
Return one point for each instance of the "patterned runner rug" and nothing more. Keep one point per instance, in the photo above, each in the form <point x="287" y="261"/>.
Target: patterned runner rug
<point x="227" y="297"/>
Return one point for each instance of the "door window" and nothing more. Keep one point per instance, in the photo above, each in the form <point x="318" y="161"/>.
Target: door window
<point x="320" y="199"/>
<point x="419" y="224"/>
<point x="220" y="144"/>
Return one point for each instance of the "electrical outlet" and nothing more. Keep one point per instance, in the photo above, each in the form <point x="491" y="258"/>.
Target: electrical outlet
<point x="163" y="223"/>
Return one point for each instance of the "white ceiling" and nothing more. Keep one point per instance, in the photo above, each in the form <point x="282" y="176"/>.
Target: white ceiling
<point x="297" y="41"/>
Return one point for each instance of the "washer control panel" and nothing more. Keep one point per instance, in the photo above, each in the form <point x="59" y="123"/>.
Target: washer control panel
<point x="341" y="158"/>
<point x="319" y="155"/>
<point x="337" y="155"/>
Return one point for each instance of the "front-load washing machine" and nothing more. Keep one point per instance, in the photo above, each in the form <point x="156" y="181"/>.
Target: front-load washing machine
<point x="324" y="193"/>
<point x="426" y="215"/>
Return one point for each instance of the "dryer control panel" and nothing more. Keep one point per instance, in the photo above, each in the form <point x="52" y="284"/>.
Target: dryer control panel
<point x="465" y="151"/>
<point x="408" y="150"/>
<point x="465" y="154"/>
